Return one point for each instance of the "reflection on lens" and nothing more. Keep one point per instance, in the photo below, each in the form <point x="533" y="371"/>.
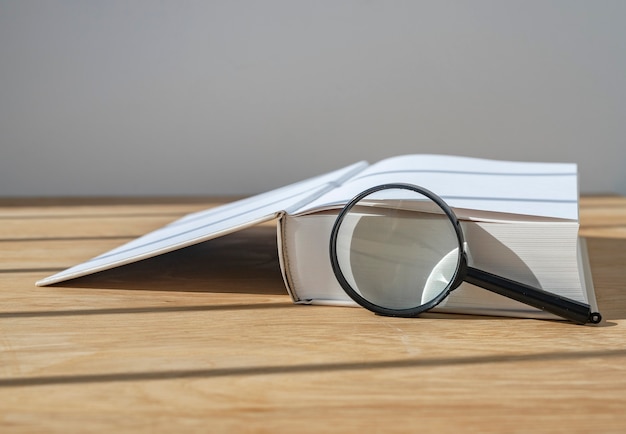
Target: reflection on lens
<point x="397" y="249"/>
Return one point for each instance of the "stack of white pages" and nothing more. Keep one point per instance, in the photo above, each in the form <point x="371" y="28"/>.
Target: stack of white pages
<point x="520" y="221"/>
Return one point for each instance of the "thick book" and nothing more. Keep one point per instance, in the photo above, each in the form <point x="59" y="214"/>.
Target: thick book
<point x="520" y="220"/>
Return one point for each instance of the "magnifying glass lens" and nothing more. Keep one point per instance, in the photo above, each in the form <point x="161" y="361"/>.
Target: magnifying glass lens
<point x="397" y="249"/>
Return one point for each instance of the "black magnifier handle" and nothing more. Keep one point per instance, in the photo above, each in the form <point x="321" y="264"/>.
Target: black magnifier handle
<point x="564" y="307"/>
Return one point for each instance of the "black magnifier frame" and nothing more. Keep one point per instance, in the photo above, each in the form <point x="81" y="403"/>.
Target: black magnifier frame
<point x="573" y="310"/>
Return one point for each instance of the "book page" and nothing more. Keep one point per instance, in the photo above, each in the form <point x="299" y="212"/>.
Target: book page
<point x="212" y="223"/>
<point x="541" y="254"/>
<point x="548" y="190"/>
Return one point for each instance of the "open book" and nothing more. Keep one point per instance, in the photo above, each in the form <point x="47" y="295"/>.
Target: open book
<point x="519" y="219"/>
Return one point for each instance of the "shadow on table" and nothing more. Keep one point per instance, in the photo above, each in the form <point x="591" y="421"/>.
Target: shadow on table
<point x="607" y="258"/>
<point x="247" y="371"/>
<point x="242" y="262"/>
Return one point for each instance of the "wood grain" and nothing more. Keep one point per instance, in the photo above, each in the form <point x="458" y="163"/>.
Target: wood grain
<point x="206" y="340"/>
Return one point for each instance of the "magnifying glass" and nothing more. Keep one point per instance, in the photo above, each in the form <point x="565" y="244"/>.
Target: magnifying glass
<point x="398" y="250"/>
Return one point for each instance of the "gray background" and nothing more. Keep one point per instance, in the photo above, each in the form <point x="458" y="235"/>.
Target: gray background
<point x="237" y="97"/>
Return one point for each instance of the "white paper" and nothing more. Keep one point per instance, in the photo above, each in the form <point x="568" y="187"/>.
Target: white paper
<point x="205" y="225"/>
<point x="536" y="189"/>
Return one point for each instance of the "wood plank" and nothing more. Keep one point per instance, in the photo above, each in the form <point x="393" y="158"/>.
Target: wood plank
<point x="46" y="228"/>
<point x="603" y="216"/>
<point x="24" y="255"/>
<point x="101" y="207"/>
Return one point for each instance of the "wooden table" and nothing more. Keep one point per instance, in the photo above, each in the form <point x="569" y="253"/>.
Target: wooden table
<point x="206" y="339"/>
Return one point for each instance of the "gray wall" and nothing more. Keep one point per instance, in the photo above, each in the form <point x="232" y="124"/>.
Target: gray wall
<point x="236" y="97"/>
